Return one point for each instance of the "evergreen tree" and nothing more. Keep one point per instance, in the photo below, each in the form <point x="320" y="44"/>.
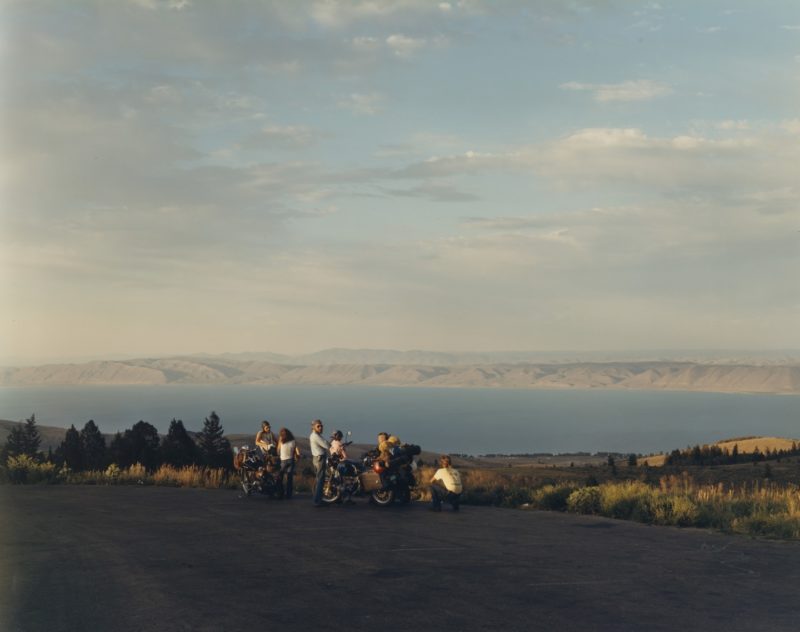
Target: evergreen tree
<point x="32" y="437"/>
<point x="93" y="447"/>
<point x="612" y="464"/>
<point x="15" y="443"/>
<point x="177" y="448"/>
<point x="119" y="451"/>
<point x="215" y="450"/>
<point x="632" y="460"/>
<point x="70" y="451"/>
<point x="143" y="445"/>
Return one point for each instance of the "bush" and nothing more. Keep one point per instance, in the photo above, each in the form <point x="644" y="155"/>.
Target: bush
<point x="627" y="501"/>
<point x="769" y="526"/>
<point x="585" y="500"/>
<point x="23" y="469"/>
<point x="552" y="497"/>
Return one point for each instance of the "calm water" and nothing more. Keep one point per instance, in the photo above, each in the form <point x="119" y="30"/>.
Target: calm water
<point x="475" y="421"/>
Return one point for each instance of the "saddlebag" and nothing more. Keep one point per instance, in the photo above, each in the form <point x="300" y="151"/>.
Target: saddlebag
<point x="370" y="481"/>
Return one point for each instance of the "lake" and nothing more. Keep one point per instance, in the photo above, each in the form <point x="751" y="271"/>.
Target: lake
<point x="475" y="421"/>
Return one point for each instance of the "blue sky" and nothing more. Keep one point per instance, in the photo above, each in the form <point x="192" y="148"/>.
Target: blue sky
<point x="194" y="176"/>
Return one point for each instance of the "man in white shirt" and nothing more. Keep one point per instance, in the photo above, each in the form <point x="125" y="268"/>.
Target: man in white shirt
<point x="446" y="485"/>
<point x="319" y="455"/>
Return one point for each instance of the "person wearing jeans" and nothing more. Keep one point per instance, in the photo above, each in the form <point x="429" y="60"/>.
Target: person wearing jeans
<point x="319" y="455"/>
<point x="288" y="453"/>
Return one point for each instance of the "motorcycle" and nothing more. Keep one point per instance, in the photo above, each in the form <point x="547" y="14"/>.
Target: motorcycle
<point x="341" y="479"/>
<point x="384" y="483"/>
<point x="258" y="473"/>
<point x="396" y="480"/>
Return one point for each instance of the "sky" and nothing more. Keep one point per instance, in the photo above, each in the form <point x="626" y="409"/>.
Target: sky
<point x="182" y="176"/>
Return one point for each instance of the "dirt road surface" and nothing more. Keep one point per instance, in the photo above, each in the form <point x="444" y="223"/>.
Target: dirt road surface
<point x="146" y="558"/>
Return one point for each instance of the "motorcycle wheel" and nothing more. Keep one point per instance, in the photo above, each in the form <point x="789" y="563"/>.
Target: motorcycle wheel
<point x="331" y="490"/>
<point x="247" y="485"/>
<point x="382" y="497"/>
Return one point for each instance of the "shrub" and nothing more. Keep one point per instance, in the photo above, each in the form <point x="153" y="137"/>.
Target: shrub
<point x="552" y="497"/>
<point x="585" y="500"/>
<point x="24" y="469"/>
<point x="769" y="526"/>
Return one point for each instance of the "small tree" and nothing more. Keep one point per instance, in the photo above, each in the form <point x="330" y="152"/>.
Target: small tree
<point x="177" y="448"/>
<point x="215" y="449"/>
<point x="70" y="451"/>
<point x="632" y="460"/>
<point x="612" y="464"/>
<point x="93" y="447"/>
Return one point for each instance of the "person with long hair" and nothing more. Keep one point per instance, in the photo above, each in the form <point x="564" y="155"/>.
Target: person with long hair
<point x="289" y="453"/>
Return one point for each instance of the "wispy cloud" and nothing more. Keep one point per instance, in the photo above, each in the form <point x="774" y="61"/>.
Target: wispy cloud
<point x="404" y="46"/>
<point x="369" y="103"/>
<point x="633" y="90"/>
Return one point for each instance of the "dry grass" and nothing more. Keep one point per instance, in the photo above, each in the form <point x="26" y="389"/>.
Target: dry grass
<point x="165" y="476"/>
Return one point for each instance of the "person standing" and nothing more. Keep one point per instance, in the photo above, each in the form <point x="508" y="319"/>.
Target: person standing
<point x="446" y="485"/>
<point x="319" y="455"/>
<point x="289" y="453"/>
<point x="265" y="439"/>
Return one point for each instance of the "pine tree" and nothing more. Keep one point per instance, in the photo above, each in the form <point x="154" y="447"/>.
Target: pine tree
<point x="215" y="449"/>
<point x="119" y="451"/>
<point x="70" y="450"/>
<point x="177" y="448"/>
<point x="15" y="443"/>
<point x="32" y="437"/>
<point x="93" y="447"/>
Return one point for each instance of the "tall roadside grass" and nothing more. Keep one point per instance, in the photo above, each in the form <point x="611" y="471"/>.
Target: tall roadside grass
<point x="24" y="470"/>
<point x="164" y="476"/>
<point x="756" y="508"/>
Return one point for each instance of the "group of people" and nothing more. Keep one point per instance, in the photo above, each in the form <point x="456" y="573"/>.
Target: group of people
<point x="445" y="484"/>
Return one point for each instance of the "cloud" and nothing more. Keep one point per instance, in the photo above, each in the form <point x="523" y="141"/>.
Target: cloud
<point x="286" y="136"/>
<point x="635" y="90"/>
<point x="435" y="191"/>
<point x="154" y="5"/>
<point x="404" y="46"/>
<point x="363" y="103"/>
<point x="733" y="125"/>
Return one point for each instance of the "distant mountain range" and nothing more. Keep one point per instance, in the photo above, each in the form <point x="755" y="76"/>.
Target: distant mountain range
<point x="421" y="368"/>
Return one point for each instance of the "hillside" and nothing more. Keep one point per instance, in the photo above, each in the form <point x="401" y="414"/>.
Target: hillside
<point x="746" y="445"/>
<point x="687" y="376"/>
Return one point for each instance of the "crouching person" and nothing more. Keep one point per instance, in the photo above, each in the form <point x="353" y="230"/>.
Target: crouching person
<point x="446" y="485"/>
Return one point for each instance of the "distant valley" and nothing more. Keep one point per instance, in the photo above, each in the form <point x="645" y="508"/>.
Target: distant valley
<point x="764" y="377"/>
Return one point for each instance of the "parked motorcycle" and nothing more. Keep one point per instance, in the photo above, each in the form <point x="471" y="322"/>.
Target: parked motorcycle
<point x="341" y="479"/>
<point x="258" y="473"/>
<point x="384" y="482"/>
<point x="395" y="480"/>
